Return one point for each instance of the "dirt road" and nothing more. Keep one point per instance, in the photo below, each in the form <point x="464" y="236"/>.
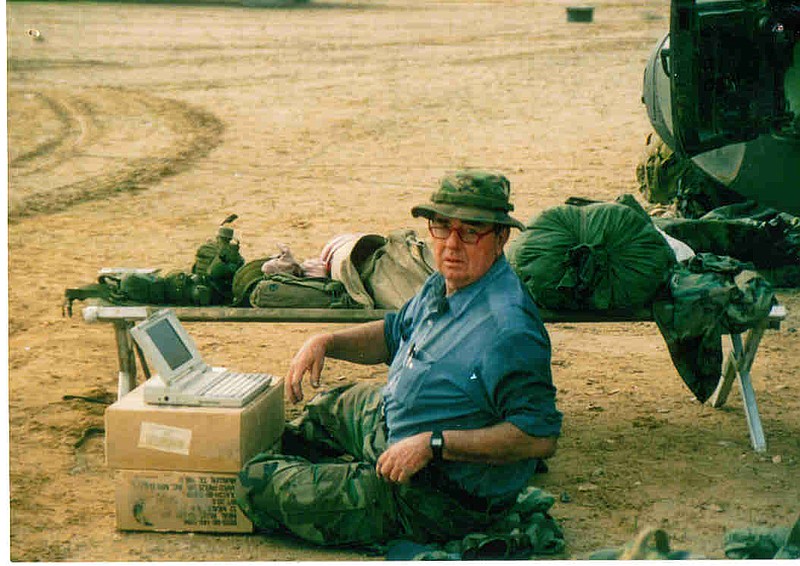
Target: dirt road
<point x="134" y="129"/>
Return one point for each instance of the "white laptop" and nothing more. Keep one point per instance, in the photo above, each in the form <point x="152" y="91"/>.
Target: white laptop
<point x="183" y="378"/>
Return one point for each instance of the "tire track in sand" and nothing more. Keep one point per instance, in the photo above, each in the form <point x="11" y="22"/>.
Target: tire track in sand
<point x="68" y="147"/>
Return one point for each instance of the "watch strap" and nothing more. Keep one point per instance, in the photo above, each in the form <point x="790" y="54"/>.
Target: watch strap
<point x="437" y="445"/>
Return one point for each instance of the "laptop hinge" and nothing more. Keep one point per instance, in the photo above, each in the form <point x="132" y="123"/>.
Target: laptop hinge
<point x="198" y="367"/>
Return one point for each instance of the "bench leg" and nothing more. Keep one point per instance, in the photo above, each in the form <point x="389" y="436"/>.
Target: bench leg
<point x="748" y="395"/>
<point x="720" y="395"/>
<point x="737" y="365"/>
<point x="732" y="360"/>
<point x="127" y="359"/>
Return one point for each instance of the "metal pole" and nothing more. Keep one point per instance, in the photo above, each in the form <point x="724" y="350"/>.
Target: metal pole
<point x="127" y="358"/>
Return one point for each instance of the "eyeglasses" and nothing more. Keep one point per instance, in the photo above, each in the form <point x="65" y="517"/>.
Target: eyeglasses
<point x="441" y="230"/>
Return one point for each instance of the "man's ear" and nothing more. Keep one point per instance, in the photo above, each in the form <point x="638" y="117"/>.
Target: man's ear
<point x="502" y="237"/>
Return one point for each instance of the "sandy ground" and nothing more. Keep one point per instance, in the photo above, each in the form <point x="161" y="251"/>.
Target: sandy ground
<point x="134" y="129"/>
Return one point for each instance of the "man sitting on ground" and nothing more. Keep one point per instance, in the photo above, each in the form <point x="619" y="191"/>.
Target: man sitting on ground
<point x="444" y="447"/>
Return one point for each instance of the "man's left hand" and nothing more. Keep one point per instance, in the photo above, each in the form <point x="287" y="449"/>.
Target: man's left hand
<point x="405" y="458"/>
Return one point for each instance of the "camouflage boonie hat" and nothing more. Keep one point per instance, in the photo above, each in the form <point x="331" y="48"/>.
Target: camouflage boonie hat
<point x="473" y="195"/>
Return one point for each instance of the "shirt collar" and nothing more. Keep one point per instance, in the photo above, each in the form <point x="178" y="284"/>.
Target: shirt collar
<point x="458" y="301"/>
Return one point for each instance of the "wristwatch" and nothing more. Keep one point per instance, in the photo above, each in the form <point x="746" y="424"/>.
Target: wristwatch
<point x="437" y="445"/>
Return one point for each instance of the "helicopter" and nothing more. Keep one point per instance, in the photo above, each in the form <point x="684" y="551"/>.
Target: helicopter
<point x="722" y="88"/>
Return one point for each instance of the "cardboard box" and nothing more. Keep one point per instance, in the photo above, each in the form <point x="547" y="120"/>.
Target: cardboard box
<point x="204" y="439"/>
<point x="154" y="500"/>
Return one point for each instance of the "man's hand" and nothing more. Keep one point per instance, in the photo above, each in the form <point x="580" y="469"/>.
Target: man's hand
<point x="362" y="344"/>
<point x="310" y="358"/>
<point x="405" y="458"/>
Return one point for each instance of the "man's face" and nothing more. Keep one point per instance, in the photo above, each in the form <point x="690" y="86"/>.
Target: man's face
<point x="462" y="263"/>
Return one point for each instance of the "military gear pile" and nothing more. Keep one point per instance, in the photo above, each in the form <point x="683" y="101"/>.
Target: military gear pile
<point x="711" y="218"/>
<point x="365" y="271"/>
<point x="386" y="275"/>
<point x="174" y="288"/>
<point x="210" y="281"/>
<point x="137" y="288"/>
<point x="768" y="239"/>
<point x="216" y="262"/>
<point x="588" y="255"/>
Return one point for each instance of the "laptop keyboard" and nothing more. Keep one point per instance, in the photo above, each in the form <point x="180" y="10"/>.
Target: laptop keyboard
<point x="234" y="384"/>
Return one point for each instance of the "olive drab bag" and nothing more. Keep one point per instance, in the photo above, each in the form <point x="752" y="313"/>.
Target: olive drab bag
<point x="602" y="256"/>
<point x="245" y="280"/>
<point x="382" y="272"/>
<point x="216" y="262"/>
<point x="396" y="271"/>
<point x="246" y="277"/>
<point x="283" y="290"/>
<point x="665" y="177"/>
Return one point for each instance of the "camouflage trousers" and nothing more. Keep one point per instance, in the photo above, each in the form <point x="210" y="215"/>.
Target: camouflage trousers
<point x="324" y="487"/>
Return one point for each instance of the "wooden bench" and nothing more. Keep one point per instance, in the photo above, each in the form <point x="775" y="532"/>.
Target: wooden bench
<point x="736" y="365"/>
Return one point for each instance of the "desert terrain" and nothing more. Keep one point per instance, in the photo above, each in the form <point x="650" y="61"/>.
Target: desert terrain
<point x="136" y="128"/>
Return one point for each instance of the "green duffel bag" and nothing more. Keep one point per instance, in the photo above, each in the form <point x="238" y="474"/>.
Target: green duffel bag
<point x="603" y="256"/>
<point x="282" y="290"/>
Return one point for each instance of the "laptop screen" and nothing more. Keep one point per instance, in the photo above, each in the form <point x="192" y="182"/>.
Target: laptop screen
<point x="170" y="345"/>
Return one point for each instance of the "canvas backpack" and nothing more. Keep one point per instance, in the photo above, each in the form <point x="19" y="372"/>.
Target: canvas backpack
<point x="397" y="270"/>
<point x="382" y="272"/>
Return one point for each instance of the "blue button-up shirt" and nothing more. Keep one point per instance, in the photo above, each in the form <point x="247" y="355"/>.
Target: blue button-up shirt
<point x="471" y="360"/>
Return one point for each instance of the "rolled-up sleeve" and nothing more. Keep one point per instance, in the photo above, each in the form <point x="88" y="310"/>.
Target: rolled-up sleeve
<point x="517" y="373"/>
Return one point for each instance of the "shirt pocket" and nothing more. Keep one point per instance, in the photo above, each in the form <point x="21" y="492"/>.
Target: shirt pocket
<point x="412" y="380"/>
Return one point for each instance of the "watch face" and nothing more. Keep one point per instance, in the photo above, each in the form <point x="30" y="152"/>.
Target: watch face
<point x="437" y="445"/>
